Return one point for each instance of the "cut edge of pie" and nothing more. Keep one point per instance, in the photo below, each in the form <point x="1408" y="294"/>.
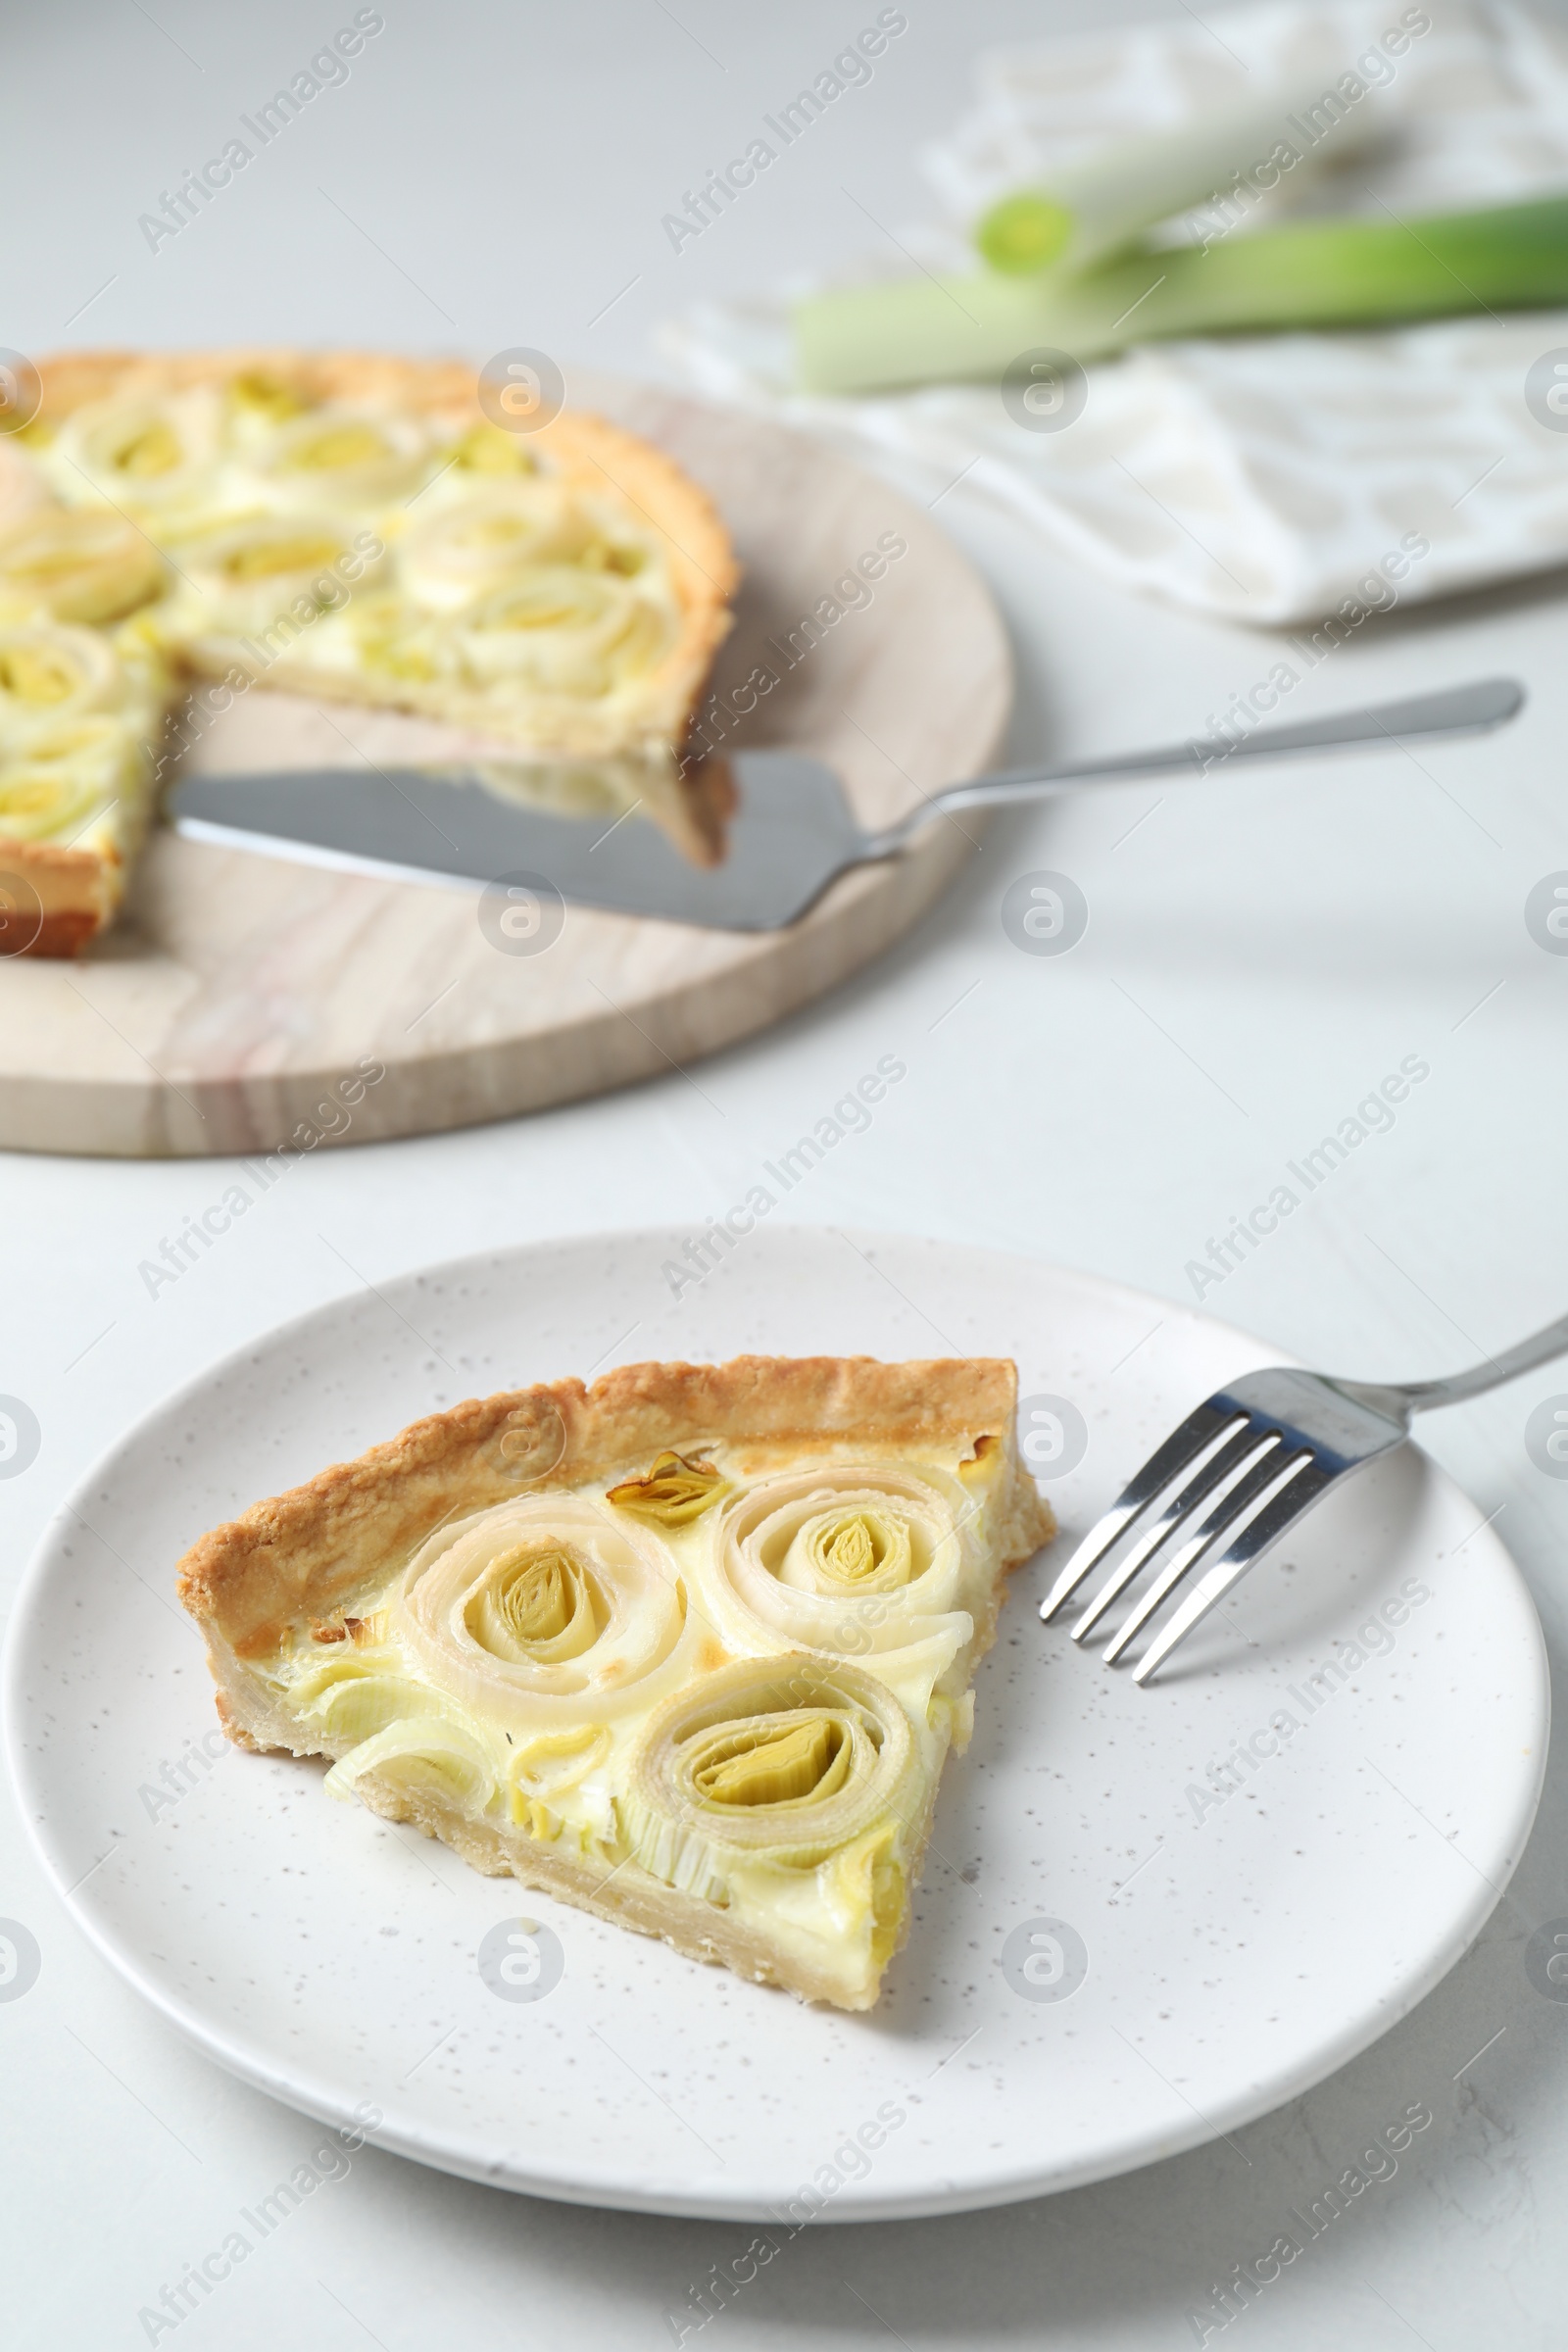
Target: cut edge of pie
<point x="323" y="1573"/>
<point x="79" y="883"/>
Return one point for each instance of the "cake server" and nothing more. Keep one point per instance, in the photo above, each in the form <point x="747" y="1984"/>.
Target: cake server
<point x="792" y="833"/>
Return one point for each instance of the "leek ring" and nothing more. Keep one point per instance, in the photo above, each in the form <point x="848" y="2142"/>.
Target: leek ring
<point x="58" y="772"/>
<point x="783" y="1760"/>
<point x="558" y="628"/>
<point x="545" y="1612"/>
<point x="343" y="458"/>
<point x="144" y="453"/>
<point x="82" y="564"/>
<point x="465" y="551"/>
<point x="251" y="575"/>
<point x="851" y="1558"/>
<point x="52" y="672"/>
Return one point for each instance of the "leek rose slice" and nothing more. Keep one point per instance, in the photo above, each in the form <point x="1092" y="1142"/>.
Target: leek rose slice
<point x="467" y="551"/>
<point x="537" y="1607"/>
<point x="558" y="628"/>
<point x="858" y="1559"/>
<point x="83" y="563"/>
<point x="146" y="454"/>
<point x="676" y="1490"/>
<point x="546" y="1612"/>
<point x="55" y="775"/>
<point x="781" y="1760"/>
<point x="250" y="575"/>
<point x="48" y="672"/>
<point x="807" y="1763"/>
<point x="40" y="804"/>
<point x="345" y="458"/>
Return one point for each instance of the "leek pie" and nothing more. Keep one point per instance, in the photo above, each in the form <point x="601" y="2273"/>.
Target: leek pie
<point x="687" y="1649"/>
<point x="346" y="527"/>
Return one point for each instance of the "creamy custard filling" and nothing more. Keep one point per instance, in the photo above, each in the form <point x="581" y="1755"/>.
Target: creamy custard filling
<point x="731" y="1683"/>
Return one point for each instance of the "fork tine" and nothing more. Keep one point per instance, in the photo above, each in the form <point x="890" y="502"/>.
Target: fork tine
<point x="1262" y="1526"/>
<point x="1202" y="1486"/>
<point x="1270" y="1473"/>
<point x="1207" y="1428"/>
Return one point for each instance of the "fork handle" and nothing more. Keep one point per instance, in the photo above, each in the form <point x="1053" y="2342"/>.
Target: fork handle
<point x="1454" y="710"/>
<point x="1420" y="1395"/>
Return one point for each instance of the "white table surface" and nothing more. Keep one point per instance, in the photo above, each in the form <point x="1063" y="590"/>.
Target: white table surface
<point x="1259" y="957"/>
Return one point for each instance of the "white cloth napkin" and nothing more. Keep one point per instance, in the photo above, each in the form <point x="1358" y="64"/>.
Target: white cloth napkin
<point x="1267" y="478"/>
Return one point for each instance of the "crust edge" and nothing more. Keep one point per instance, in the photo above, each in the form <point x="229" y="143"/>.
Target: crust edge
<point x="78" y="893"/>
<point x="305" y="1551"/>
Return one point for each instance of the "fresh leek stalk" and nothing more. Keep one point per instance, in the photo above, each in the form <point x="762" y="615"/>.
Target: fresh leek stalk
<point x="1336" y="272"/>
<point x="1105" y="204"/>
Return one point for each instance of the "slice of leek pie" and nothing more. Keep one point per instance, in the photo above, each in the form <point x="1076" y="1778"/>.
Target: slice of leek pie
<point x="688" y="1648"/>
<point x="81" y="710"/>
<point x="354" y="529"/>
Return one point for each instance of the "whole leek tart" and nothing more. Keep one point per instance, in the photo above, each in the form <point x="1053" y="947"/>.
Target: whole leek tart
<point x="343" y="526"/>
<point x="688" y="1649"/>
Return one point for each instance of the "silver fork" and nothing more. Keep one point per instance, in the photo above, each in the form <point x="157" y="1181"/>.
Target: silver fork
<point x="1243" y="1469"/>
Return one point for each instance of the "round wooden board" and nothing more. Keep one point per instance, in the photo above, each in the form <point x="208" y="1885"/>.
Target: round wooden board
<point x="232" y="1006"/>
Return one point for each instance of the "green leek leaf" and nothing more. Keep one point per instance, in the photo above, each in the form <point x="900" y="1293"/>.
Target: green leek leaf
<point x="1320" y="274"/>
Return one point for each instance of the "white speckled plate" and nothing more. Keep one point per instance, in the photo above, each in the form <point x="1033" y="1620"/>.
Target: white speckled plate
<point x="1206" y="1956"/>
